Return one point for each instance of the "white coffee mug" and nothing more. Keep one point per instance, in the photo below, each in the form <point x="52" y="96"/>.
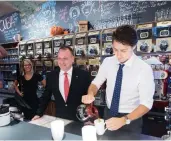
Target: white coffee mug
<point x="100" y="126"/>
<point x="57" y="129"/>
<point x="89" y="133"/>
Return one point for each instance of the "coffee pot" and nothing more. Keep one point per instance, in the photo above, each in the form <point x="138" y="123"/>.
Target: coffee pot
<point x="87" y="112"/>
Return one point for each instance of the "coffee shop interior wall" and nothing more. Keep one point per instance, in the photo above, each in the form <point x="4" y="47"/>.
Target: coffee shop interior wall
<point x="100" y="14"/>
<point x="38" y="17"/>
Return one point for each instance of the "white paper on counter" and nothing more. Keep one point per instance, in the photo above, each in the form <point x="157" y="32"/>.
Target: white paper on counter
<point x="43" y="120"/>
<point x="65" y="121"/>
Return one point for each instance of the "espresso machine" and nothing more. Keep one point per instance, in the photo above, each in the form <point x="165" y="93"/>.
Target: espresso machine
<point x="107" y="47"/>
<point x="94" y="43"/>
<point x="30" y="49"/>
<point x="22" y="49"/>
<point x="69" y="40"/>
<point x="144" y="32"/>
<point x="162" y="32"/>
<point x="168" y="120"/>
<point x="47" y="48"/>
<point x="58" y="42"/>
<point x="81" y="44"/>
<point x="38" y="48"/>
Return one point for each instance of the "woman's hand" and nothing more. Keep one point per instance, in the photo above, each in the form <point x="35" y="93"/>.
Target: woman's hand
<point x="21" y="94"/>
<point x="35" y="117"/>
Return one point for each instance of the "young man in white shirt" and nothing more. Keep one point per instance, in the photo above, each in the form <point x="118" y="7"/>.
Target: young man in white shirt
<point x="130" y="84"/>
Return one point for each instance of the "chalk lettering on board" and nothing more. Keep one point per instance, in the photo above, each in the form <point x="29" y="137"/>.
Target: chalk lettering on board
<point x="53" y="13"/>
<point x="157" y="4"/>
<point x="36" y="23"/>
<point x="48" y="4"/>
<point x="74" y="12"/>
<point x="163" y="14"/>
<point x="87" y="7"/>
<point x="161" y="3"/>
<point x="47" y="13"/>
<point x="48" y="17"/>
<point x="105" y="9"/>
<point x="71" y="27"/>
<point x="128" y="7"/>
<point x="113" y="22"/>
<point x="6" y="23"/>
<point x="63" y="14"/>
<point x="38" y="8"/>
<point x="25" y="23"/>
<point x="76" y="1"/>
<point x="34" y="34"/>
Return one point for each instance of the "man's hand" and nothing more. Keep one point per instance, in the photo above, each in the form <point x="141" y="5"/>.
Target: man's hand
<point x="35" y="117"/>
<point x="115" y="123"/>
<point x="87" y="99"/>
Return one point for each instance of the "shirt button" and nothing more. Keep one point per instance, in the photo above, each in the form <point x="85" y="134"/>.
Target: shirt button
<point x="65" y="104"/>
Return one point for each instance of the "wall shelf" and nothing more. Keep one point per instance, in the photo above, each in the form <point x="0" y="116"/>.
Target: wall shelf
<point x="7" y="91"/>
<point x="9" y="79"/>
<point x="11" y="48"/>
<point x="12" y="54"/>
<point x="6" y="70"/>
<point x="8" y="63"/>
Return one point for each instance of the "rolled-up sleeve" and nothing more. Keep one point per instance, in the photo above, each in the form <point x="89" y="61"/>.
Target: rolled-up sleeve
<point x="146" y="87"/>
<point x="101" y="75"/>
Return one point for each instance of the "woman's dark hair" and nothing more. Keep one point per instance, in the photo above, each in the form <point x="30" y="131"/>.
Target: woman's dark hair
<point x="126" y="35"/>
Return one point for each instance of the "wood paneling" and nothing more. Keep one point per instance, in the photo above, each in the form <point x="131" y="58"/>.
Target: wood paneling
<point x="50" y="110"/>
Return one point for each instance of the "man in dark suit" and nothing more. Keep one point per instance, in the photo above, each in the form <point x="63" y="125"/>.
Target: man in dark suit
<point x="67" y="84"/>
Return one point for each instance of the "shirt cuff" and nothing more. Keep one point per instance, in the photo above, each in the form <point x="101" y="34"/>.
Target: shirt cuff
<point x="147" y="104"/>
<point x="95" y="83"/>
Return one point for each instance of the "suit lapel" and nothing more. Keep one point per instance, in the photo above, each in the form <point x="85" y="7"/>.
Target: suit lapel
<point x="56" y="79"/>
<point x="56" y="82"/>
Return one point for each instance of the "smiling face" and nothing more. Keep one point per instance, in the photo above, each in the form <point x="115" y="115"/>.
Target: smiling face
<point x="122" y="52"/>
<point x="27" y="67"/>
<point x="65" y="59"/>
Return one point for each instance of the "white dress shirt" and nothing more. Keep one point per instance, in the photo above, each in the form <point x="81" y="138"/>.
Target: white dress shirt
<point x="61" y="81"/>
<point x="137" y="83"/>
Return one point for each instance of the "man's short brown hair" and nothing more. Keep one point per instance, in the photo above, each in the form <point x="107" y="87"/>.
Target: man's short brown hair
<point x="67" y="48"/>
<point x="126" y="35"/>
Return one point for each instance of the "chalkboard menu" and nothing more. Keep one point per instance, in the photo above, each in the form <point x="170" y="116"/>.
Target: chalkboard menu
<point x="100" y="14"/>
<point x="10" y="25"/>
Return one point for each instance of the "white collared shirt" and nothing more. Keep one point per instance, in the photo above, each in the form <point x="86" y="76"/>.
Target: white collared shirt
<point x="61" y="80"/>
<point x="137" y="83"/>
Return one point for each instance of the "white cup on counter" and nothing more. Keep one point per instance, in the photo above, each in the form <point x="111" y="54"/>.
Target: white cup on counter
<point x="100" y="126"/>
<point x="89" y="133"/>
<point x="57" y="130"/>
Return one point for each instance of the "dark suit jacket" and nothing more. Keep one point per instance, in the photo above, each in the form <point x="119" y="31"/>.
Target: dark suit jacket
<point x="80" y="82"/>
